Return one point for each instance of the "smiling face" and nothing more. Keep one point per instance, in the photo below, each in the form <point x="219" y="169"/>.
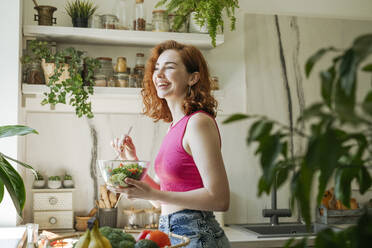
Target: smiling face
<point x="170" y="77"/>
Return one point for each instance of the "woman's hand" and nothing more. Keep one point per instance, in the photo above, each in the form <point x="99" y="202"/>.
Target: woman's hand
<point x="125" y="148"/>
<point x="136" y="190"/>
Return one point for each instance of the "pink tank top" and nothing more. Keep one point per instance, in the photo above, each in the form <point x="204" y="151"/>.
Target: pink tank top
<point x="175" y="168"/>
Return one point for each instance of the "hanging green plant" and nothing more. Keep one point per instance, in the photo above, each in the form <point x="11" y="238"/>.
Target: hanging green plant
<point x="209" y="12"/>
<point x="68" y="74"/>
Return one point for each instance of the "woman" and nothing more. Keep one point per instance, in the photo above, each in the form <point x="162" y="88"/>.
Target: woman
<point x="189" y="165"/>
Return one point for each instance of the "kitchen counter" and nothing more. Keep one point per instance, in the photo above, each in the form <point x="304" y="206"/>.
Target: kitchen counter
<point x="246" y="239"/>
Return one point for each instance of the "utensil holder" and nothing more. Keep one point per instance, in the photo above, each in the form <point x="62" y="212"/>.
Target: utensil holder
<point x="107" y="217"/>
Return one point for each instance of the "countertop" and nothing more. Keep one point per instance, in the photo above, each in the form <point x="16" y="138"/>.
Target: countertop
<point x="246" y="239"/>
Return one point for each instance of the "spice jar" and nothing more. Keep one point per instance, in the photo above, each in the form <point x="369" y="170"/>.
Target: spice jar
<point x="109" y="21"/>
<point x="159" y="21"/>
<point x="132" y="81"/>
<point x="135" y="217"/>
<point x="139" y="22"/>
<point x="140" y="60"/>
<point x="121" y="79"/>
<point x="35" y="74"/>
<point x="111" y="82"/>
<point x="121" y="64"/>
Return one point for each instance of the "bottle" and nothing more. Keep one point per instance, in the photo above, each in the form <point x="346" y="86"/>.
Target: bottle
<point x="121" y="64"/>
<point x="32" y="235"/>
<point x="139" y="22"/>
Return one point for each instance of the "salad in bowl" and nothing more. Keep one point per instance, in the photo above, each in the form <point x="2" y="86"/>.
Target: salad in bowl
<point x="114" y="172"/>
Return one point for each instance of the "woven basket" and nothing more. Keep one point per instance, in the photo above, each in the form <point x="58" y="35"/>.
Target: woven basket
<point x="184" y="240"/>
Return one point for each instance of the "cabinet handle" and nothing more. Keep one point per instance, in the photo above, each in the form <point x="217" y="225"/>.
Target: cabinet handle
<point x="53" y="200"/>
<point x="52" y="220"/>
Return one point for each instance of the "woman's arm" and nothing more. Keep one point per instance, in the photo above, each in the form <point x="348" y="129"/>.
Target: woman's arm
<point x="202" y="141"/>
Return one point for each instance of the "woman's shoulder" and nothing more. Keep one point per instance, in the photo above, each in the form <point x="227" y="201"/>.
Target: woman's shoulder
<point x="201" y="119"/>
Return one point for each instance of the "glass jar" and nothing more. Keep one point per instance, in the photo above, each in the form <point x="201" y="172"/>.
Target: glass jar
<point x="132" y="81"/>
<point x="140" y="60"/>
<point x="122" y="79"/>
<point x="111" y="82"/>
<point x="152" y="217"/>
<point x="109" y="21"/>
<point x="159" y="21"/>
<point x="182" y="29"/>
<point x="121" y="64"/>
<point x="121" y="11"/>
<point x="96" y="21"/>
<point x="35" y="74"/>
<point x="106" y="67"/>
<point x="134" y="217"/>
<point x="100" y="80"/>
<point x="139" y="22"/>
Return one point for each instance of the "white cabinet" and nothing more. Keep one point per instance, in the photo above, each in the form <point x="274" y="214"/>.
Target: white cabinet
<point x="53" y="208"/>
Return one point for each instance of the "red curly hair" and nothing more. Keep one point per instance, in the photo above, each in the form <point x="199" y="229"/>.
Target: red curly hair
<point x="199" y="98"/>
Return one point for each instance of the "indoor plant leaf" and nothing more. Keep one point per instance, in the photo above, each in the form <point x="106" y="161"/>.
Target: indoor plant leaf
<point x="367" y="103"/>
<point x="13" y="130"/>
<point x="1" y="190"/>
<point x="13" y="183"/>
<point x="314" y="58"/>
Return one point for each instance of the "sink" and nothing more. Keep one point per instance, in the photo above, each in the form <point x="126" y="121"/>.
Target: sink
<point x="281" y="230"/>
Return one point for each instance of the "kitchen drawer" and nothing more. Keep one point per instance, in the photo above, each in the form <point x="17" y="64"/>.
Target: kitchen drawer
<point x="53" y="201"/>
<point x="54" y="219"/>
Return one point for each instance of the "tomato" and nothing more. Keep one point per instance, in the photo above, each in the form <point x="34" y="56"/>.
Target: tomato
<point x="143" y="234"/>
<point x="159" y="237"/>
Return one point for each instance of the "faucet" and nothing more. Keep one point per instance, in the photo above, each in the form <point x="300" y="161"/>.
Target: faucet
<point x="275" y="213"/>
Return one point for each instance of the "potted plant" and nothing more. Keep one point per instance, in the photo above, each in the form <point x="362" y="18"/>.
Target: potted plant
<point x="337" y="137"/>
<point x="67" y="181"/>
<point x="54" y="182"/>
<point x="204" y="12"/>
<point x="9" y="177"/>
<point x="80" y="11"/>
<point x="68" y="74"/>
<point x="39" y="181"/>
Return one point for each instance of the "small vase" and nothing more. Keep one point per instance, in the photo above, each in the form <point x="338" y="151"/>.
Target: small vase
<point x="80" y="22"/>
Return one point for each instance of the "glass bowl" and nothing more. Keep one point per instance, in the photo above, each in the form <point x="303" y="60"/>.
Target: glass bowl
<point x="114" y="172"/>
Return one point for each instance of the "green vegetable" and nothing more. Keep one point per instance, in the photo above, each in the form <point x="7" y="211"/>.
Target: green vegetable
<point x="117" y="237"/>
<point x="146" y="243"/>
<point x="54" y="178"/>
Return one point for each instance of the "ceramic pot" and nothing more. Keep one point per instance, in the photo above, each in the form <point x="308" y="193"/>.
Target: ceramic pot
<point x="80" y="22"/>
<point x="39" y="184"/>
<point x="68" y="183"/>
<point x="54" y="184"/>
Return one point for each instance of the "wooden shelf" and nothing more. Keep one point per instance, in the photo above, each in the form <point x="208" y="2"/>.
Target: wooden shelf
<point x="116" y="37"/>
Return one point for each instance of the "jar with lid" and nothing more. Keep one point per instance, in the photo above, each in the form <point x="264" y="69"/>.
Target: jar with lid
<point x="160" y="21"/>
<point x="139" y="22"/>
<point x="132" y="81"/>
<point x="140" y="60"/>
<point x="109" y="21"/>
<point x="121" y="79"/>
<point x="106" y="67"/>
<point x="34" y="73"/>
<point x="111" y="82"/>
<point x="96" y="21"/>
<point x="121" y="64"/>
<point x="100" y="80"/>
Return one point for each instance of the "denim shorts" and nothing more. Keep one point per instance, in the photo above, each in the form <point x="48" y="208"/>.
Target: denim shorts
<point x="200" y="227"/>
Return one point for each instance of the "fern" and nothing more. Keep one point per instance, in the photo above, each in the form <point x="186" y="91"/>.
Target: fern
<point x="209" y="12"/>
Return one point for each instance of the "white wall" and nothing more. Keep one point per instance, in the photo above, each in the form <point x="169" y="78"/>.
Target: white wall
<point x="228" y="61"/>
<point x="9" y="91"/>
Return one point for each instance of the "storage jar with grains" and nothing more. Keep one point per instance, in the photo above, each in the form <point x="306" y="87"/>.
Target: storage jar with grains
<point x="122" y="79"/>
<point x="109" y="21"/>
<point x="160" y="21"/>
<point x="139" y="22"/>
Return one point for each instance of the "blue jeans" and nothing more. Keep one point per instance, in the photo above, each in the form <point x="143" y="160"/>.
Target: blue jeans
<point x="200" y="227"/>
